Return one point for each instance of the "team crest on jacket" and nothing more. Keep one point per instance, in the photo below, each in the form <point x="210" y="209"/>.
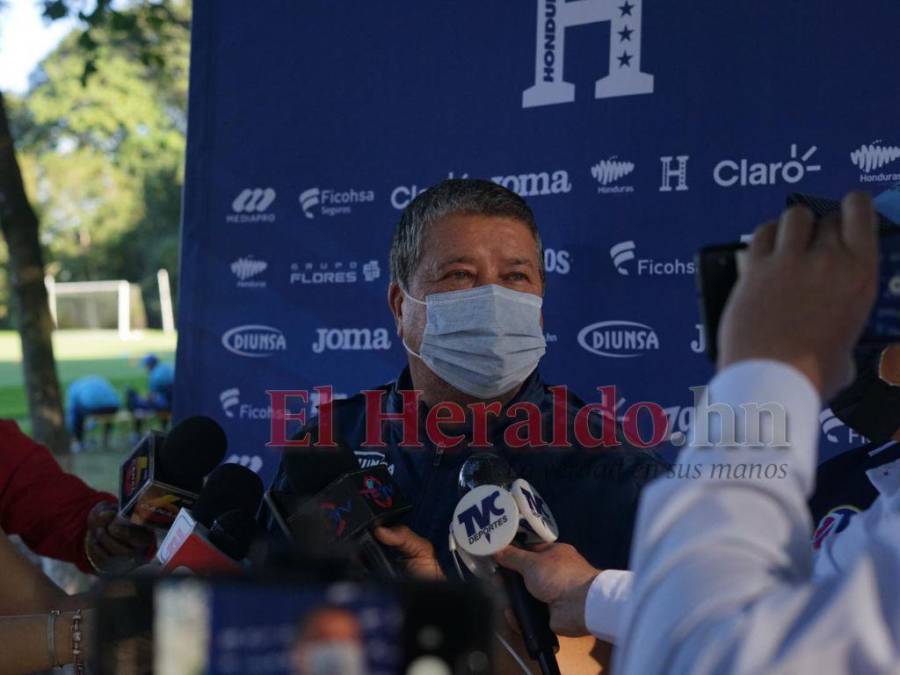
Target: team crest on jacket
<point x="834" y="522"/>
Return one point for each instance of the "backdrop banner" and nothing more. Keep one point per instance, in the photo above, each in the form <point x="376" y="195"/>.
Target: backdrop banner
<point x="638" y="131"/>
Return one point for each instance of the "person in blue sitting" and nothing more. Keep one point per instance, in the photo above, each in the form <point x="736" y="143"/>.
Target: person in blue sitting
<point x="89" y="395"/>
<point x="160" y="384"/>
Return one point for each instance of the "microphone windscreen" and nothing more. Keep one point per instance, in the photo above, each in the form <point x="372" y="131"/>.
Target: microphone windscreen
<point x="193" y="448"/>
<point x="485" y="468"/>
<point x="229" y="487"/>
<point x="310" y="470"/>
<point x="232" y="533"/>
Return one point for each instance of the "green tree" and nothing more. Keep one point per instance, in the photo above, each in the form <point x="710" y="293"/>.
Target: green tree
<point x="101" y="132"/>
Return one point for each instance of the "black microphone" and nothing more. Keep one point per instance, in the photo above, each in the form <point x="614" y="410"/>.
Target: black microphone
<point x="219" y="529"/>
<point x="533" y="616"/>
<point x="335" y="503"/>
<point x="165" y="472"/>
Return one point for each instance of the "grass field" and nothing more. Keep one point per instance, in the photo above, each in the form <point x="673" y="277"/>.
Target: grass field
<point x="84" y="353"/>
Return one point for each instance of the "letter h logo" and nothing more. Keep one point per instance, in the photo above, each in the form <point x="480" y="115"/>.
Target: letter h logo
<point x="625" y="76"/>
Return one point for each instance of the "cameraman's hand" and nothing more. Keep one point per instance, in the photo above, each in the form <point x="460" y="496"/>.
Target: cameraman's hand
<point x="805" y="293"/>
<point x="417" y="552"/>
<point x="559" y="576"/>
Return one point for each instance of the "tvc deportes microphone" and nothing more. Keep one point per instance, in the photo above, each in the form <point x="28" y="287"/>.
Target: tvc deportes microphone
<point x="336" y="504"/>
<point x="496" y="510"/>
<point x="216" y="533"/>
<point x="165" y="472"/>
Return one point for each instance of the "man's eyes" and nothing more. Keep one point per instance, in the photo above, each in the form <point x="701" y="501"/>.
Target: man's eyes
<point x="460" y="275"/>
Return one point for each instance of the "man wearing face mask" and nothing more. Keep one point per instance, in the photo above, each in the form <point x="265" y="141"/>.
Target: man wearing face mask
<point x="467" y="285"/>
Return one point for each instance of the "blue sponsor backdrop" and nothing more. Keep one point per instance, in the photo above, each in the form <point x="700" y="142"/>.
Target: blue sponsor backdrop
<point x="312" y="124"/>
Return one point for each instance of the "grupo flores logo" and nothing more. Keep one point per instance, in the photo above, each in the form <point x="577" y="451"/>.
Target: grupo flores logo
<point x="254" y="341"/>
<point x="329" y="202"/>
<point x="623" y="253"/>
<point x="618" y="339"/>
<point x="554" y="18"/>
<point x="746" y="172"/>
<point x="351" y="339"/>
<point x="609" y="171"/>
<point x="322" y="273"/>
<point x="873" y="157"/>
<point x="251" y="205"/>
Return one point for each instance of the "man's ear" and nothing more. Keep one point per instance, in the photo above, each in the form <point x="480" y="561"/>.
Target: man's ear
<point x="395" y="303"/>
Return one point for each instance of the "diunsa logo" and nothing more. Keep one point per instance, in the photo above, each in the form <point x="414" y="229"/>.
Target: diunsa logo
<point x="254" y="341"/>
<point x="618" y="339"/>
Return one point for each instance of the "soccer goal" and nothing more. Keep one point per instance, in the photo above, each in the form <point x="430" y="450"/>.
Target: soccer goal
<point x="97" y="305"/>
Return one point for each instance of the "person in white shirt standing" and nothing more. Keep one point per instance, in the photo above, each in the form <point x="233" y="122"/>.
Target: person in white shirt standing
<point x="724" y="577"/>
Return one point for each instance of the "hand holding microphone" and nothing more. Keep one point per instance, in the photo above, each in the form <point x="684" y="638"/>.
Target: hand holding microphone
<point x="496" y="510"/>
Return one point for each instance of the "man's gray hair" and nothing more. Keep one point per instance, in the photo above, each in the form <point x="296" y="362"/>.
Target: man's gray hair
<point x="452" y="196"/>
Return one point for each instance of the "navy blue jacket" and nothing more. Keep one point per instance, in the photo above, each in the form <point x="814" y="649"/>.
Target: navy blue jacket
<point x="593" y="493"/>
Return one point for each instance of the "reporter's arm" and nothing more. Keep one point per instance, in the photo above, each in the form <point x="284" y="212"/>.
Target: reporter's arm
<point x="24" y="588"/>
<point x="723" y="578"/>
<point x="26" y="644"/>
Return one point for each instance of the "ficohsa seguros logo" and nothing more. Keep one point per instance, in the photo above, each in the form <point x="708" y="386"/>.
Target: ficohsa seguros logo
<point x="254" y="341"/>
<point x="618" y="339"/>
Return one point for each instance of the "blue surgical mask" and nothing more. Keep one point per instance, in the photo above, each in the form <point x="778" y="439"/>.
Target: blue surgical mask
<point x="484" y="341"/>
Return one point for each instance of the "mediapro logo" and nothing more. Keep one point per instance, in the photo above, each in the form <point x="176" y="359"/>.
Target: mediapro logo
<point x="329" y="202"/>
<point x="873" y="157"/>
<point x="251" y="206"/>
<point x="623" y="253"/>
<point x="609" y="171"/>
<point x="625" y="76"/>
<point x="618" y="339"/>
<point x="246" y="268"/>
<point x="254" y="341"/>
<point x="745" y="172"/>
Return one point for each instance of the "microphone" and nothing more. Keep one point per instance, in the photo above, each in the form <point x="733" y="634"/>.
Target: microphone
<point x="498" y="509"/>
<point x="165" y="472"/>
<point x="216" y="533"/>
<point x="335" y="504"/>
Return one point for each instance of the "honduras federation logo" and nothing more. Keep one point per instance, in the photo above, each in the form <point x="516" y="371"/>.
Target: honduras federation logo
<point x="485" y="521"/>
<point x="609" y="171"/>
<point x="876" y="162"/>
<point x="835" y="522"/>
<point x="624" y="77"/>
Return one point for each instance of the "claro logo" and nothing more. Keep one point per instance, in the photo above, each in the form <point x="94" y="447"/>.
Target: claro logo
<point x="618" y="339"/>
<point x="254" y="341"/>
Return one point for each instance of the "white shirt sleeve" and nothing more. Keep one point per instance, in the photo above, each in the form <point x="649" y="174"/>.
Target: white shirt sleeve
<point x="723" y="573"/>
<point x="606" y="601"/>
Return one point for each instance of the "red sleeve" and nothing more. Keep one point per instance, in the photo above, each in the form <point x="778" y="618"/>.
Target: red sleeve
<point x="41" y="503"/>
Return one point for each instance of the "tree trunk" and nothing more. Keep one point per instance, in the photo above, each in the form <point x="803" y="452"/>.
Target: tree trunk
<point x="29" y="302"/>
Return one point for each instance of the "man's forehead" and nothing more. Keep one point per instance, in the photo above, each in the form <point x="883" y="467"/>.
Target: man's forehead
<point x="459" y="234"/>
